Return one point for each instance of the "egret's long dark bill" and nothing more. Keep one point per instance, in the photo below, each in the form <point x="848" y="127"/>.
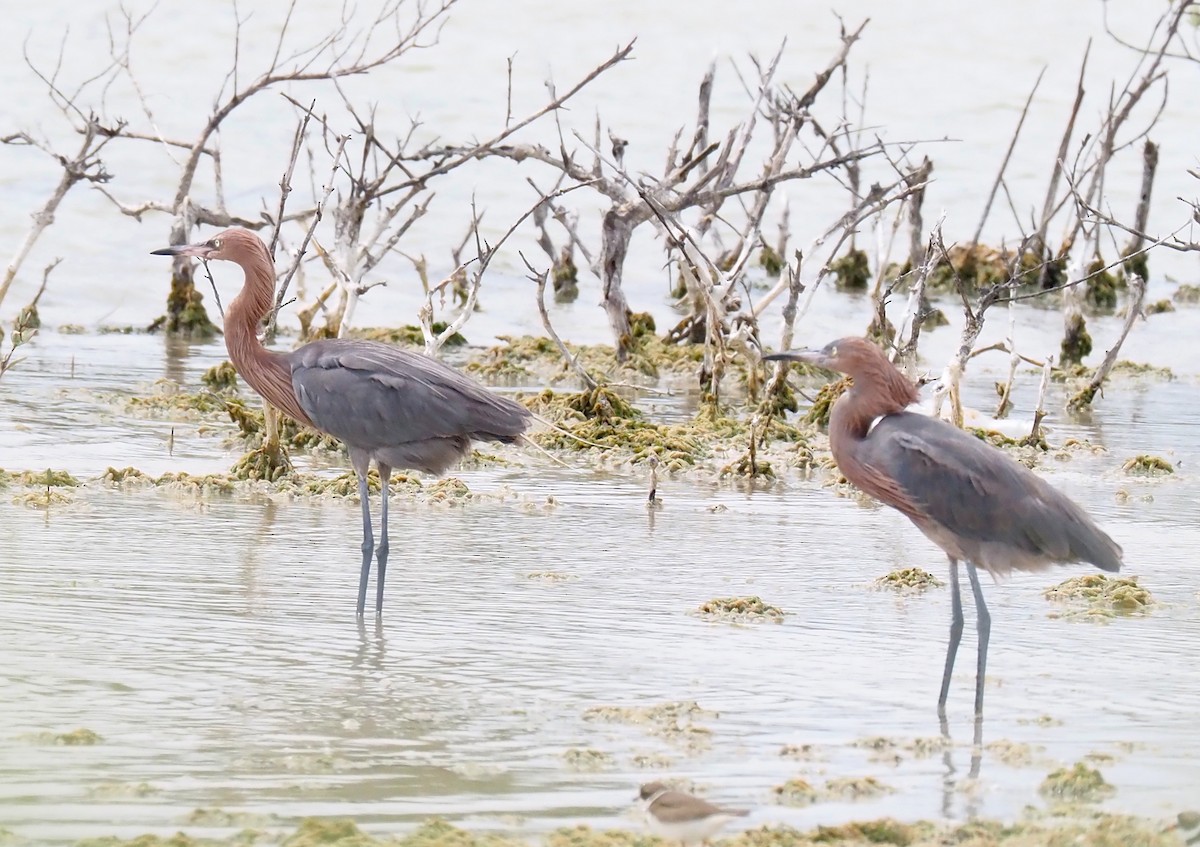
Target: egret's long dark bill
<point x="812" y="357"/>
<point x="180" y="250"/>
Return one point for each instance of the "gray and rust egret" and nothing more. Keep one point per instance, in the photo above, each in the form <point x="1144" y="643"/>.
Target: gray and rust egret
<point x="969" y="498"/>
<point x="394" y="407"/>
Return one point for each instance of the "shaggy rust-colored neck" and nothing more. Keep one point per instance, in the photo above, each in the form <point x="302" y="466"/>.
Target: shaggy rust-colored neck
<point x="879" y="389"/>
<point x="268" y="373"/>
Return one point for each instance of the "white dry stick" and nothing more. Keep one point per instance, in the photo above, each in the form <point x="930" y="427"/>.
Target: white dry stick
<point x="317" y="214"/>
<point x="41" y="220"/>
<point x="883" y="254"/>
<point x="540" y="278"/>
<point x="1039" y="412"/>
<point x="949" y="388"/>
<point x="916" y="293"/>
<point x="1137" y="294"/>
<point x="1014" y="359"/>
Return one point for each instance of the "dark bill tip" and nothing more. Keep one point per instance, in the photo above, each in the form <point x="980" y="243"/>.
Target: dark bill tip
<point x="791" y="356"/>
<point x="167" y="251"/>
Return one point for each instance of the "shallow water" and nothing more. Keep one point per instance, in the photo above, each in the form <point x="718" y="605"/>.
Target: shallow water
<point x="211" y="643"/>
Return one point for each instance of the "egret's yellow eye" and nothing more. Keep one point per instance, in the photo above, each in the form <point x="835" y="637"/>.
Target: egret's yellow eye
<point x="216" y="243"/>
<point x="833" y="352"/>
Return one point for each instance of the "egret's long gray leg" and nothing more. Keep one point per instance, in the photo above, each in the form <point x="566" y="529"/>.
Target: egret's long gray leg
<point x="956" y="628"/>
<point x="368" y="543"/>
<point x="983" y="625"/>
<point x="382" y="551"/>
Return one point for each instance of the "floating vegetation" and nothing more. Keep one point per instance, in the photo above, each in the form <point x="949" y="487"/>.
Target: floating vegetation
<point x="48" y="479"/>
<point x="214" y="817"/>
<point x="170" y="400"/>
<point x="448" y="490"/>
<point x="409" y="335"/>
<point x="796" y="792"/>
<point x="222" y="377"/>
<point x="652" y="761"/>
<point x="1015" y="754"/>
<point x="803" y="752"/>
<point x="908" y="580"/>
<point x="1077" y="784"/>
<point x="672" y="721"/>
<point x="578" y="759"/>
<point x="999" y="439"/>
<point x="251" y="422"/>
<point x="510" y="358"/>
<point x="739" y="610"/>
<point x="583" y="836"/>
<point x="1148" y="465"/>
<point x="1158" y="307"/>
<point x="876" y="743"/>
<point x="346" y="484"/>
<point x="1188" y="294"/>
<point x="1079" y="828"/>
<point x="800" y="792"/>
<point x="855" y="788"/>
<point x="649" y="356"/>
<point x="203" y="484"/>
<point x="750" y="467"/>
<point x="1103" y="596"/>
<point x="884" y="749"/>
<point x="42" y="499"/>
<point x="882" y="831"/>
<point x="118" y="791"/>
<point x="818" y="413"/>
<point x="81" y="737"/>
<point x="550" y="576"/>
<point x="1128" y="368"/>
<point x="127" y="477"/>
<point x="1040" y="720"/>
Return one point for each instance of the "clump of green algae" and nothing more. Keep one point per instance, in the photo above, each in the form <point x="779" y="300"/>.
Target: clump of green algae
<point x="672" y="721"/>
<point x="1080" y="828"/>
<point x="739" y="610"/>
<point x="908" y="579"/>
<point x="796" y="792"/>
<point x="1148" y="466"/>
<point x="586" y="759"/>
<point x="81" y="737"/>
<point x="1079" y="784"/>
<point x="1103" y="595"/>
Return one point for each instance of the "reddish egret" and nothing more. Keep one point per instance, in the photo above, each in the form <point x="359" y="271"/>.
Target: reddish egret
<point x="398" y="408"/>
<point x="977" y="504"/>
<point x="677" y="816"/>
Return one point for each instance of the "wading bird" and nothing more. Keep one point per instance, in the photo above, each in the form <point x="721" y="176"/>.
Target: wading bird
<point x="677" y="816"/>
<point x="397" y="408"/>
<point x="981" y="507"/>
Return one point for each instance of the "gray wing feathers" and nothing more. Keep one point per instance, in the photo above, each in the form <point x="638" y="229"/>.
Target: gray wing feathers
<point x="980" y="494"/>
<point x="373" y="395"/>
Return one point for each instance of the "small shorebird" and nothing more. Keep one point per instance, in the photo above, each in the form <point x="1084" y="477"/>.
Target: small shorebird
<point x="678" y="816"/>
<point x="1187" y="824"/>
